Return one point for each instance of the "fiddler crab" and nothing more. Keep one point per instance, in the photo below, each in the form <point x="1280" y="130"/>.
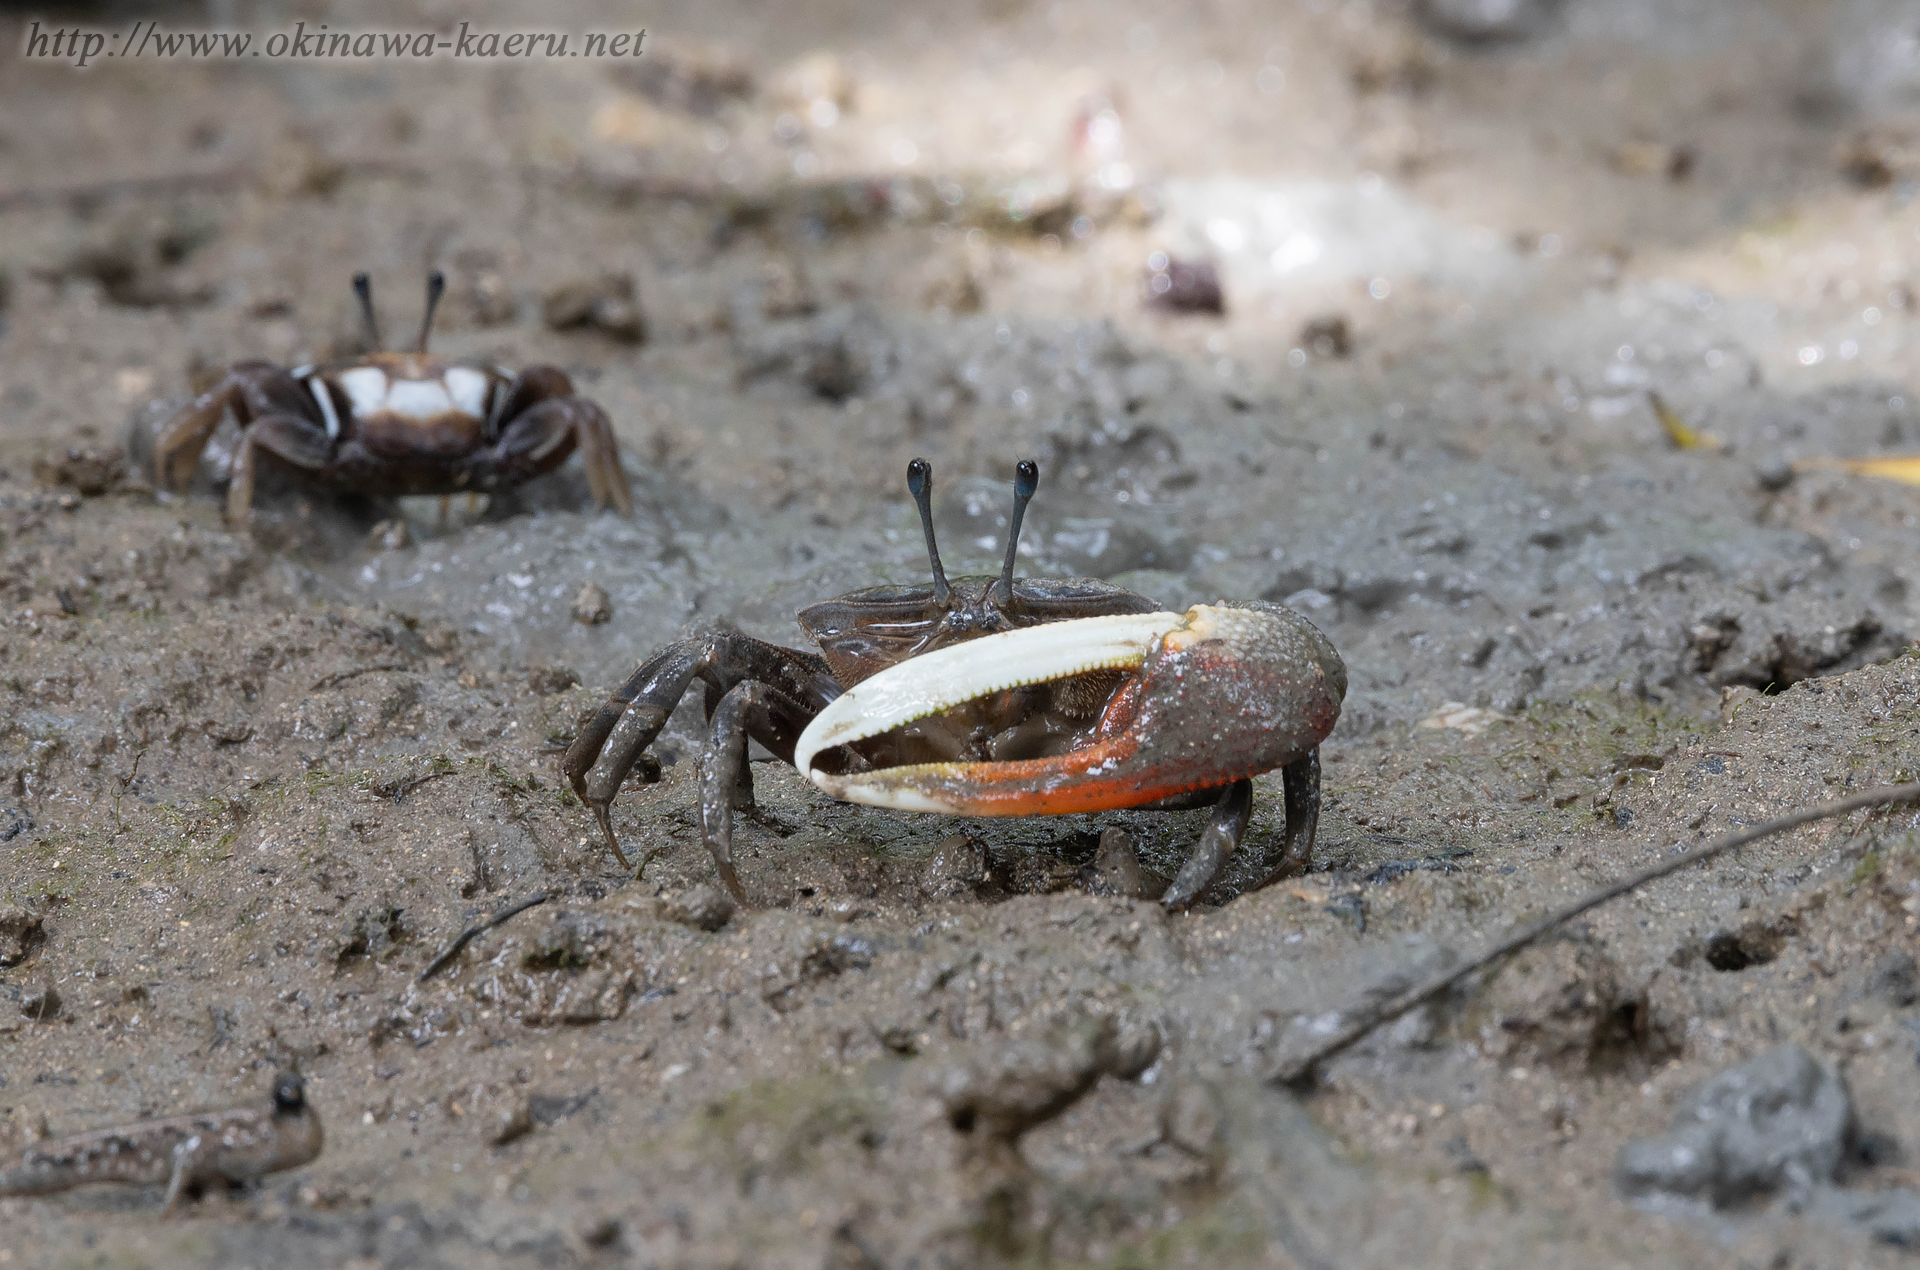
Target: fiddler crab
<point x="396" y="423"/>
<point x="997" y="696"/>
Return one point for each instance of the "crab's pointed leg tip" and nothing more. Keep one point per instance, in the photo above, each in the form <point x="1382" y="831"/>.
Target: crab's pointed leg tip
<point x="605" y="818"/>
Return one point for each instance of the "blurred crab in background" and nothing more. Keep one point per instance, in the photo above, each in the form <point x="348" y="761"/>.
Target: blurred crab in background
<point x="997" y="696"/>
<point x="390" y="424"/>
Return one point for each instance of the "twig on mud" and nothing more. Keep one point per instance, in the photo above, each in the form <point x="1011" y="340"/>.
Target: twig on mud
<point x="476" y="930"/>
<point x="406" y="787"/>
<point x="399" y="787"/>
<point x="125" y="785"/>
<point x="640" y="873"/>
<point x="1300" y="1071"/>
<point x="339" y="677"/>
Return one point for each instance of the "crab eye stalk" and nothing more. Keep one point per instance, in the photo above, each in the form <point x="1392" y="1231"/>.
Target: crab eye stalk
<point x="436" y="287"/>
<point x="920" y="485"/>
<point x="363" y="287"/>
<point x="1026" y="479"/>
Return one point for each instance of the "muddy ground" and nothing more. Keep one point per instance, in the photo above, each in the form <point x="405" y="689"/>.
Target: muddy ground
<point x="252" y="781"/>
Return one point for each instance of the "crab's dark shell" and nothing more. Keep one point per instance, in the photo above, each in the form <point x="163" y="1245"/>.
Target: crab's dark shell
<point x="864" y="632"/>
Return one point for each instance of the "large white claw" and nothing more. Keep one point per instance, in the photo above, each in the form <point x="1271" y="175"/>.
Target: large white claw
<point x="946" y="677"/>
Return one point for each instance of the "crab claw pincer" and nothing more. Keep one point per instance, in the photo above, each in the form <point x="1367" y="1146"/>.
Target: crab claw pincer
<point x="1207" y="697"/>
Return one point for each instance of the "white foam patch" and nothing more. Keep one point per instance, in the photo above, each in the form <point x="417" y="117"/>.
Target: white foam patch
<point x="468" y="389"/>
<point x="926" y="685"/>
<point x="366" y="388"/>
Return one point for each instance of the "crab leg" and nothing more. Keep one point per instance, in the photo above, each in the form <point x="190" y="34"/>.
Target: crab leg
<point x="750" y="710"/>
<point x="253" y="389"/>
<point x="615" y="739"/>
<point x="1300" y="781"/>
<point x="1225" y="828"/>
<point x="298" y="441"/>
<point x="542" y="414"/>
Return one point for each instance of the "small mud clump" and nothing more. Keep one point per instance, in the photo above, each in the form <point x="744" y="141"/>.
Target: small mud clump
<point x="21" y="932"/>
<point x="1782" y="1121"/>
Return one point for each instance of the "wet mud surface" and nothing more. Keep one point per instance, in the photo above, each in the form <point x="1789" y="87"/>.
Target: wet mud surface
<point x="1370" y="310"/>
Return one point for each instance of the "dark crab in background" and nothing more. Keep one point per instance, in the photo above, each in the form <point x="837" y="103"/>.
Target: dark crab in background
<point x="390" y="424"/>
<point x="997" y="696"/>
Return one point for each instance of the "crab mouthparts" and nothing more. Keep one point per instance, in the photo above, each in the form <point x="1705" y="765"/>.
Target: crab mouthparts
<point x="948" y="677"/>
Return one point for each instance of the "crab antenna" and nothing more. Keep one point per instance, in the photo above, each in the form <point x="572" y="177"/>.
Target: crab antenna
<point x="363" y="287"/>
<point x="920" y="485"/>
<point x="1026" y="479"/>
<point x="436" y="287"/>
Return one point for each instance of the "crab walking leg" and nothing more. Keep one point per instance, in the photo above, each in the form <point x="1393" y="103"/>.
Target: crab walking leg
<point x="533" y="385"/>
<point x="603" y="453"/>
<point x="540" y="439"/>
<point x="614" y="740"/>
<point x="750" y="710"/>
<point x="606" y="750"/>
<point x="1300" y="781"/>
<point x="252" y="389"/>
<point x="296" y="440"/>
<point x="177" y="449"/>
<point x="1225" y="828"/>
<point x="587" y="439"/>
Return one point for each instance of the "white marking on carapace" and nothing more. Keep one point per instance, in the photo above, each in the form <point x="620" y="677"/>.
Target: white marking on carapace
<point x="324" y="400"/>
<point x="366" y="388"/>
<point x="928" y="684"/>
<point x="418" y="398"/>
<point x="468" y="388"/>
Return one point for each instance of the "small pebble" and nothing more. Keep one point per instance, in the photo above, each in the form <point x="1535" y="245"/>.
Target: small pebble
<point x="1327" y="336"/>
<point x="601" y="1232"/>
<point x="391" y="535"/>
<point x="593" y="605"/>
<point x="701" y="907"/>
<point x="1187" y="287"/>
<point x="20" y="931"/>
<point x="1115" y="869"/>
<point x="544" y="681"/>
<point x="958" y="867"/>
<point x="509" y="1124"/>
<point x="606" y="304"/>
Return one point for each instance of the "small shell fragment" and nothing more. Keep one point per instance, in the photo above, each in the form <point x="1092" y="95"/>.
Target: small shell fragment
<point x="592" y="606"/>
